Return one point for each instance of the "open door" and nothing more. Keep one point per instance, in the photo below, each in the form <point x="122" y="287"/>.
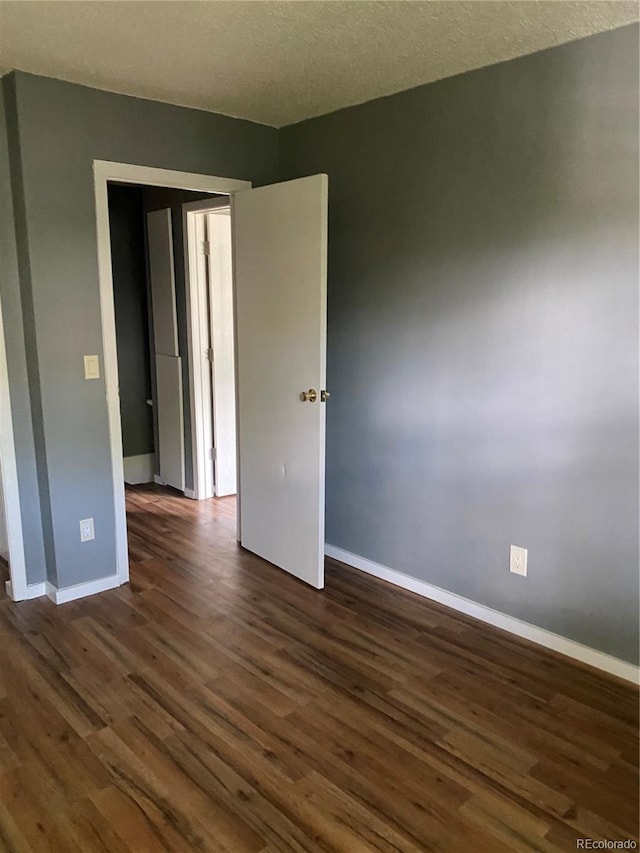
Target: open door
<point x="166" y="361"/>
<point x="280" y="270"/>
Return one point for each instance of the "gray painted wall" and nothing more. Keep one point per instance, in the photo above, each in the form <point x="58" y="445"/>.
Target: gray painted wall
<point x="61" y="128"/>
<point x="10" y="183"/>
<point x="483" y="333"/>
<point x="126" y="222"/>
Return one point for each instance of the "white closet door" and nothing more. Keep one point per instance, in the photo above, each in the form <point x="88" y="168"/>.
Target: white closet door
<point x="163" y="285"/>
<point x="170" y="420"/>
<point x="166" y="360"/>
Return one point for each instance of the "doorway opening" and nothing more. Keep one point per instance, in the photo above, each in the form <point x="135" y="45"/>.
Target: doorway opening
<point x="279" y="301"/>
<point x="106" y="173"/>
<point x="211" y="334"/>
<point x="173" y="303"/>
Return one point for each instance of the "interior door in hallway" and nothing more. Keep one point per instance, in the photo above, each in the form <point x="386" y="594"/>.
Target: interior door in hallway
<point x="167" y="363"/>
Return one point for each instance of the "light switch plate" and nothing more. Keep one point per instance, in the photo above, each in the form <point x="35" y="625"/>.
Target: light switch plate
<point x="91" y="367"/>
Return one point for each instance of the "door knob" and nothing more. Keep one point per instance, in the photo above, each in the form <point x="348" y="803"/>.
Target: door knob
<point x="309" y="396"/>
<point x="324" y="396"/>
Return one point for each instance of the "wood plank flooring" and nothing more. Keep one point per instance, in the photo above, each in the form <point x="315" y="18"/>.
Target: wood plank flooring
<point x="216" y="704"/>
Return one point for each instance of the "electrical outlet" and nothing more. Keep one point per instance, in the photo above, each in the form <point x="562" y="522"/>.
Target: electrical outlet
<point x="86" y="530"/>
<point x="518" y="561"/>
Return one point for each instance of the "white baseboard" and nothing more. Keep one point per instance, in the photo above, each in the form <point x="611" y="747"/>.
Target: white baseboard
<point x="81" y="590"/>
<point x="34" y="590"/>
<point x="139" y="469"/>
<point x="578" y="651"/>
<point x="157" y="479"/>
<point x="190" y="493"/>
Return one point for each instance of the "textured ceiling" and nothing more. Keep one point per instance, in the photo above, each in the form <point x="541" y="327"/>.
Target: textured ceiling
<point x="281" y="62"/>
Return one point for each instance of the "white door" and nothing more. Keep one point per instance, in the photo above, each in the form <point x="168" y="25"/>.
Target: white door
<point x="280" y="269"/>
<point x="168" y="404"/>
<point x="223" y="380"/>
<point x="166" y="361"/>
<point x="163" y="283"/>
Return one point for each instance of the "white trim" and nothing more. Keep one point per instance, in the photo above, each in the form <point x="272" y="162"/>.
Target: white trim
<point x="578" y="651"/>
<point x="208" y="205"/>
<point x="105" y="171"/>
<point x="236" y="338"/>
<point x="82" y="590"/>
<point x="157" y="479"/>
<point x="9" y="475"/>
<point x="138" y="469"/>
<point x="222" y="455"/>
<point x="110" y="360"/>
<point x="34" y="590"/>
<point x="131" y="173"/>
<point x="197" y="341"/>
<point x="197" y="333"/>
<point x="189" y="493"/>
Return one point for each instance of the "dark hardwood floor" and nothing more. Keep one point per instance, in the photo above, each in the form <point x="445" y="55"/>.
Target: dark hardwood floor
<point x="216" y="704"/>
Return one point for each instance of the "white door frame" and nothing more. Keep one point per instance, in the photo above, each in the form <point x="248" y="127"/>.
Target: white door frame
<point x="17" y="587"/>
<point x="200" y="398"/>
<point x="104" y="171"/>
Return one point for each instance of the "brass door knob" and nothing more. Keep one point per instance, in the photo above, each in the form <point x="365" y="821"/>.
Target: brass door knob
<point x="309" y="396"/>
<point x="324" y="396"/>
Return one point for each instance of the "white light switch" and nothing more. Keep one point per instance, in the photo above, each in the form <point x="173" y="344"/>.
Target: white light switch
<point x="91" y="367"/>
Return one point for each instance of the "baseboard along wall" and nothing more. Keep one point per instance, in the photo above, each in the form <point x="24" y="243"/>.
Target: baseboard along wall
<point x="34" y="590"/>
<point x="556" y="642"/>
<point x="81" y="590"/>
<point x="69" y="593"/>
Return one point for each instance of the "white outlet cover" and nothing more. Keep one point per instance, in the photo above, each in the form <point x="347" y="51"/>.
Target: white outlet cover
<point x="91" y="367"/>
<point x="86" y="530"/>
<point x="518" y="560"/>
